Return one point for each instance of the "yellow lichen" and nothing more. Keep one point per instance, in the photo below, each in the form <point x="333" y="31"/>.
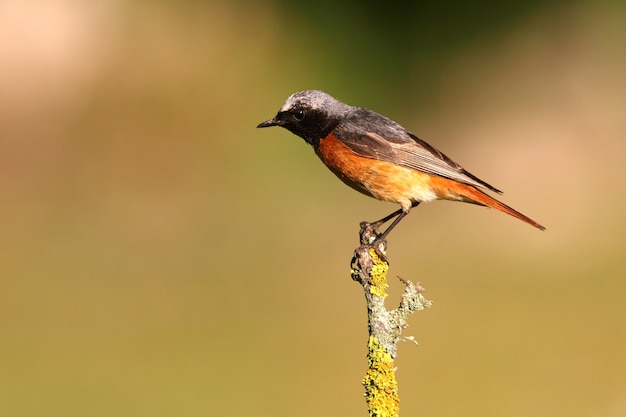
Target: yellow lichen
<point x="381" y="388"/>
<point x="378" y="275"/>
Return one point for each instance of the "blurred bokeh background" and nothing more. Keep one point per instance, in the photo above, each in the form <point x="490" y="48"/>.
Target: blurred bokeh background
<point x="159" y="256"/>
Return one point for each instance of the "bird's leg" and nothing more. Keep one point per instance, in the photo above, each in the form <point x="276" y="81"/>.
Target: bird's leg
<point x="369" y="231"/>
<point x="385" y="219"/>
<point x="393" y="224"/>
<point x="398" y="214"/>
<point x="373" y="228"/>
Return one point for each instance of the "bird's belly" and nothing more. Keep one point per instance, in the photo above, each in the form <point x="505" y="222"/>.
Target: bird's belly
<point x="379" y="179"/>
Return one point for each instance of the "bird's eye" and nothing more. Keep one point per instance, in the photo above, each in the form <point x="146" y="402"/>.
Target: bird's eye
<point x="299" y="115"/>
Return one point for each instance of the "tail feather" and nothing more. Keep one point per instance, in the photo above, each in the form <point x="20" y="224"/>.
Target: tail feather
<point x="470" y="194"/>
<point x="489" y="201"/>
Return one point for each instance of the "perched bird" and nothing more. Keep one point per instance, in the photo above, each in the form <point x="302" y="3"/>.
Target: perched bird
<point x="379" y="158"/>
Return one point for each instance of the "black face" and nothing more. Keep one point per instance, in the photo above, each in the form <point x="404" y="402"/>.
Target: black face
<point x="308" y="123"/>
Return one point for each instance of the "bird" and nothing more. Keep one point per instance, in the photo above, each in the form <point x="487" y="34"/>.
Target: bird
<point x="379" y="158"/>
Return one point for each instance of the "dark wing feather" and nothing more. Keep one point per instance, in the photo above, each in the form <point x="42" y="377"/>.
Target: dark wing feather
<point x="374" y="136"/>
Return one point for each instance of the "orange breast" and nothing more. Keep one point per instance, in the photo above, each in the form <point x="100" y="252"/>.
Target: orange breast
<point x="382" y="180"/>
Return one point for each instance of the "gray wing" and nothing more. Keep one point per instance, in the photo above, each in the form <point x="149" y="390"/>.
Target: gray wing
<point x="375" y="136"/>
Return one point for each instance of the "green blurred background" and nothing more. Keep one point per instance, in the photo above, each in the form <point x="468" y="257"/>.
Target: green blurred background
<point x="162" y="257"/>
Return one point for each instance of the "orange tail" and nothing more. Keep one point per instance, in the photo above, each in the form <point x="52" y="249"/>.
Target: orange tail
<point x="469" y="194"/>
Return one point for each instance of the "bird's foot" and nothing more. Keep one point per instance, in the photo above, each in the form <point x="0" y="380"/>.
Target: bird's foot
<point x="373" y="238"/>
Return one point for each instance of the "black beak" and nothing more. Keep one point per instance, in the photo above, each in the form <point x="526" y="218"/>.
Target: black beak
<point x="268" y="123"/>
